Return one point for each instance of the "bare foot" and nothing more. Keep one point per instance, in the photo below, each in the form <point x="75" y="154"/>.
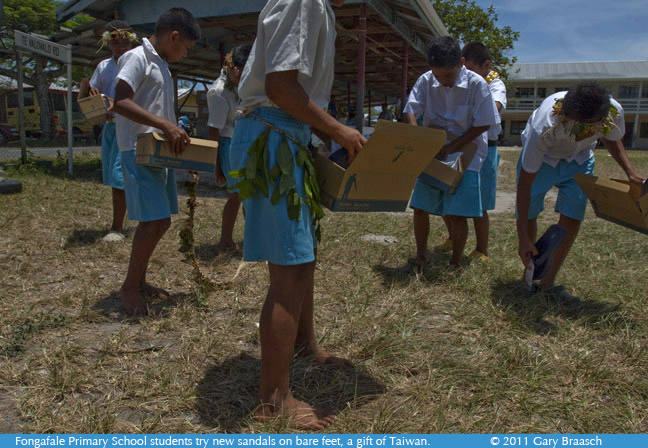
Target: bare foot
<point x="133" y="301"/>
<point x="152" y="291"/>
<point x="322" y="357"/>
<point x="299" y="415"/>
<point x="229" y="247"/>
<point x="454" y="267"/>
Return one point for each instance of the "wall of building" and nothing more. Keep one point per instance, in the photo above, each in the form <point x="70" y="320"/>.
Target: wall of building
<point x="526" y="96"/>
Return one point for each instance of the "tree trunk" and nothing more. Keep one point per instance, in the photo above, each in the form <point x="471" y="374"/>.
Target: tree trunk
<point x="47" y="124"/>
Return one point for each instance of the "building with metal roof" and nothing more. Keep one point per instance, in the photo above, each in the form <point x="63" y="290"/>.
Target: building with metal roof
<point x="627" y="81"/>
<point x="380" y="43"/>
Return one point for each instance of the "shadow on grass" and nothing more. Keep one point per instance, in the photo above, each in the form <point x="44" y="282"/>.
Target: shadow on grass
<point x="111" y="306"/>
<point x="212" y="252"/>
<point x="532" y="310"/>
<point x="227" y="393"/>
<point x="406" y="273"/>
<point x="84" y="237"/>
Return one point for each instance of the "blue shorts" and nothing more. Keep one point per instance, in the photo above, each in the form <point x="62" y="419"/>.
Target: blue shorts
<point x="488" y="179"/>
<point x="270" y="234"/>
<point x="224" y="159"/>
<point x="111" y="159"/>
<point x="572" y="201"/>
<point x="466" y="200"/>
<point x="151" y="192"/>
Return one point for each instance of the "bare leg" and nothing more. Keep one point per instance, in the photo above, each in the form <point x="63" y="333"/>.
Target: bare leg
<point x="119" y="209"/>
<point x="532" y="229"/>
<point x="229" y="220"/>
<point x="279" y="324"/>
<point x="306" y="342"/>
<point x="421" y="233"/>
<point x="572" y="226"/>
<point x="146" y="238"/>
<point x="448" y="224"/>
<point x="481" y="232"/>
<point x="459" y="225"/>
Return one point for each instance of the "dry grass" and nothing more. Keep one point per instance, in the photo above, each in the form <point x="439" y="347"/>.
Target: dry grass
<point x="439" y="353"/>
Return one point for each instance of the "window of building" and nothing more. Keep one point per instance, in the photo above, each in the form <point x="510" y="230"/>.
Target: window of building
<point x="517" y="126"/>
<point x="12" y="98"/>
<point x="561" y="89"/>
<point x="643" y="130"/>
<point x="542" y="92"/>
<point x="628" y="91"/>
<point x="644" y="91"/>
<point x="524" y="92"/>
<point x="58" y="101"/>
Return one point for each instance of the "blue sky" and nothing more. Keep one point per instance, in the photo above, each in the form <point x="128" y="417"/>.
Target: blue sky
<point x="576" y="30"/>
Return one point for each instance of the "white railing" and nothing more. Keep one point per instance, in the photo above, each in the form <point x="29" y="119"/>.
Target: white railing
<point x="630" y="105"/>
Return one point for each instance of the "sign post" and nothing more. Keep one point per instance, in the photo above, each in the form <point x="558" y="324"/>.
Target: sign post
<point x="62" y="53"/>
<point x="21" y="109"/>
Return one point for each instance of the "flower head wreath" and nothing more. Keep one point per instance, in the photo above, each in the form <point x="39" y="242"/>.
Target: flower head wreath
<point x="578" y="129"/>
<point x="125" y="34"/>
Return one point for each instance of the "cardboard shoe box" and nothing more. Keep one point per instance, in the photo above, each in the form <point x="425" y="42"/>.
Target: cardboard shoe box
<point x="382" y="176"/>
<point x="445" y="177"/>
<point x="153" y="150"/>
<point x="615" y="201"/>
<point x="94" y="108"/>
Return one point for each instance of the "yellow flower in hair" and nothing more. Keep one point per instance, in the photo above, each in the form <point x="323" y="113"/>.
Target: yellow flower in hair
<point x="108" y="36"/>
<point x="492" y="75"/>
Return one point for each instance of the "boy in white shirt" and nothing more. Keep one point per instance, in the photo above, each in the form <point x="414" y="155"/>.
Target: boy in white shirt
<point x="558" y="142"/>
<point x="457" y="100"/>
<point x="223" y="102"/>
<point x="285" y="89"/>
<point x="119" y="37"/>
<point x="144" y="102"/>
<point x="477" y="58"/>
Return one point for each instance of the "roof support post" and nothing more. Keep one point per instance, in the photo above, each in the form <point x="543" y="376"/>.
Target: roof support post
<point x="362" y="41"/>
<point x="405" y="63"/>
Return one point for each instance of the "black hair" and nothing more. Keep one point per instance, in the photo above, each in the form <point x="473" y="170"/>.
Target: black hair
<point x="444" y="51"/>
<point x="240" y="55"/>
<point x="586" y="101"/>
<point x="476" y="52"/>
<point x="180" y="20"/>
<point x="115" y="25"/>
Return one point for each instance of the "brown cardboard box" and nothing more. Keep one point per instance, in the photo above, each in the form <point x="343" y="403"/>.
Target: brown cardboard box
<point x="445" y="177"/>
<point x="614" y="201"/>
<point x="382" y="176"/>
<point x="94" y="108"/>
<point x="153" y="150"/>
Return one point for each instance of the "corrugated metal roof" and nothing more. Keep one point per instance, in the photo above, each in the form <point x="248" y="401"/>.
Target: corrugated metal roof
<point x="579" y="70"/>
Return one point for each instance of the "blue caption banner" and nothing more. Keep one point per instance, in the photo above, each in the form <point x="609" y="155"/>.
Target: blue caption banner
<point x="324" y="440"/>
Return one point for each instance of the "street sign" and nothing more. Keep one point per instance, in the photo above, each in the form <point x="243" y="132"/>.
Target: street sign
<point x="43" y="47"/>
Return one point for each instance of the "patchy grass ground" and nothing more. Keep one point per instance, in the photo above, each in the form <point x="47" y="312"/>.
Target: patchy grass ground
<point x="440" y="353"/>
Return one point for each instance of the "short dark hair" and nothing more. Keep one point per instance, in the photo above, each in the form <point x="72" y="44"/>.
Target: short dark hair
<point x="444" y="51"/>
<point x="476" y="52"/>
<point x="180" y="20"/>
<point x="586" y="101"/>
<point x="116" y="25"/>
<point x="240" y="55"/>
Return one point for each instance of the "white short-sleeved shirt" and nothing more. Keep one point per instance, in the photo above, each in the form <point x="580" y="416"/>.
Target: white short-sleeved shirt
<point x="104" y="77"/>
<point x="537" y="149"/>
<point x="292" y="35"/>
<point x="222" y="104"/>
<point x="456" y="109"/>
<point x="498" y="91"/>
<point x="148" y="75"/>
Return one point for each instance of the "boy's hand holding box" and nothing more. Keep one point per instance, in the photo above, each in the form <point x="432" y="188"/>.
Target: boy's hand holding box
<point x="616" y="201"/>
<point x="95" y="108"/>
<point x="154" y="149"/>
<point x="383" y="174"/>
<point x="446" y="177"/>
